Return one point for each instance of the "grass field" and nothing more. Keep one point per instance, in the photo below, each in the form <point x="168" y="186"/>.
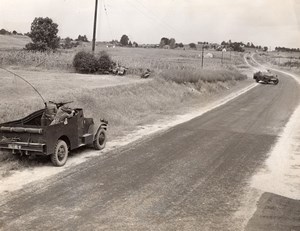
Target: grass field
<point x="9" y="42"/>
<point x="177" y="83"/>
<point x="289" y="60"/>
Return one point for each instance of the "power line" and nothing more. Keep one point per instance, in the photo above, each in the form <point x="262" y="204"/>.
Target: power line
<point x="108" y="20"/>
<point x="151" y="17"/>
<point x="161" y="21"/>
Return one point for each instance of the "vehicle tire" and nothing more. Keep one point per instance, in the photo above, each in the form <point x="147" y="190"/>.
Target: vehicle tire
<point x="276" y="81"/>
<point x="60" y="155"/>
<point x="100" y="139"/>
<point x="257" y="80"/>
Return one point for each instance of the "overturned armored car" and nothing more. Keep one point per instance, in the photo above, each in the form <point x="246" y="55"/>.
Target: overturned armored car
<point x="265" y="77"/>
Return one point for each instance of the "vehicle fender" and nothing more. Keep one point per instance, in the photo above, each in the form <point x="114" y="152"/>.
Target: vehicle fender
<point x="103" y="125"/>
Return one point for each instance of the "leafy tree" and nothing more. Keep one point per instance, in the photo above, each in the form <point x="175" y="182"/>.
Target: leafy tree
<point x="179" y="45"/>
<point x="82" y="38"/>
<point x="124" y="40"/>
<point x="134" y="44"/>
<point x="130" y="44"/>
<point x="43" y="35"/>
<point x="172" y="43"/>
<point x="265" y="49"/>
<point x="192" y="45"/>
<point x="4" y="32"/>
<point x="164" y="41"/>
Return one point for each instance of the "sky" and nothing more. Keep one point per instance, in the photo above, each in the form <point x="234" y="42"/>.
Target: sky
<point x="263" y="22"/>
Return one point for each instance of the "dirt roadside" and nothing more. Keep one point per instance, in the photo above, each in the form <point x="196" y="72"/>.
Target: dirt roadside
<point x="276" y="186"/>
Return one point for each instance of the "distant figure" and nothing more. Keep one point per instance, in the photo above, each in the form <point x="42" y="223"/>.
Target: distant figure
<point x="49" y="113"/>
<point x="62" y="114"/>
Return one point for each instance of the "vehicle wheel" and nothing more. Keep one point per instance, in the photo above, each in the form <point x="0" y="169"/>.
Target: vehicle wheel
<point x="100" y="139"/>
<point x="60" y="155"/>
<point x="257" y="80"/>
<point x="276" y="81"/>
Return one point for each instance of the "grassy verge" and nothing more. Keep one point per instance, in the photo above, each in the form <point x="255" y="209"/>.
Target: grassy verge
<point x="128" y="106"/>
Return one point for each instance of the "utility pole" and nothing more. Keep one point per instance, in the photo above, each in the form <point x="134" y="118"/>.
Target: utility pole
<point x="95" y="25"/>
<point x="222" y="58"/>
<point x="202" y="55"/>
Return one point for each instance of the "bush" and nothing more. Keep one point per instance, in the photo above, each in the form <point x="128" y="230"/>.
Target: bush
<point x="105" y="63"/>
<point x="85" y="62"/>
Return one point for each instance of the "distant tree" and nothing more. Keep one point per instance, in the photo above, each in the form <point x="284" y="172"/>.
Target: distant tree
<point x="223" y="43"/>
<point x="172" y="43"/>
<point x="68" y="43"/>
<point x="124" y="40"/>
<point x="82" y="38"/>
<point x="43" y="35"/>
<point x="265" y="49"/>
<point x="164" y="41"/>
<point x="15" y="32"/>
<point x="192" y="45"/>
<point x="130" y="44"/>
<point x="134" y="44"/>
<point x="4" y="32"/>
<point x="179" y="45"/>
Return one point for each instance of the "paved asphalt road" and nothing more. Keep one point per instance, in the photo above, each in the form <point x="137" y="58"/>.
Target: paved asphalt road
<point x="190" y="177"/>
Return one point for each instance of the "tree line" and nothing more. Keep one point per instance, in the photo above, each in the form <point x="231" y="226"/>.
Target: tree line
<point x="285" y="49"/>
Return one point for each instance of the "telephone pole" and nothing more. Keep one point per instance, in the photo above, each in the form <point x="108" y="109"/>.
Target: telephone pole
<point x="95" y="25"/>
<point x="202" y="55"/>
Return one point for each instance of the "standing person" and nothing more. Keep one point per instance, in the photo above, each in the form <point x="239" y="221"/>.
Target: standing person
<point x="49" y="113"/>
<point x="63" y="113"/>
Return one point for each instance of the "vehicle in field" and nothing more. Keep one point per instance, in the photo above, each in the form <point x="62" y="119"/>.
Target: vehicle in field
<point x="265" y="77"/>
<point x="33" y="135"/>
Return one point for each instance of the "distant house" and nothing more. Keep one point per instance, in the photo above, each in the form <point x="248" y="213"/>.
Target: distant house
<point x="209" y="55"/>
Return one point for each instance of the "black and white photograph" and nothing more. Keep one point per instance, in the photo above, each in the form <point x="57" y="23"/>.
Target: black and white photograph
<point x="159" y="115"/>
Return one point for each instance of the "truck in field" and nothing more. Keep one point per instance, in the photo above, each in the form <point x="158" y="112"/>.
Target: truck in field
<point x="32" y="135"/>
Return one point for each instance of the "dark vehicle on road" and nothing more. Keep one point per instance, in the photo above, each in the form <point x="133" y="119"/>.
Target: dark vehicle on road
<point x="31" y="135"/>
<point x="265" y="77"/>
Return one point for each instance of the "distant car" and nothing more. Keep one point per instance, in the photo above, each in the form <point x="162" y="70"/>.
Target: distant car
<point x="266" y="77"/>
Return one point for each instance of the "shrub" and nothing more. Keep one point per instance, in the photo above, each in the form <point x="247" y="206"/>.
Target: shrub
<point x="104" y="61"/>
<point x="85" y="62"/>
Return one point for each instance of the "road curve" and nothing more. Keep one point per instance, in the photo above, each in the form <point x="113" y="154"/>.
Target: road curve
<point x="190" y="177"/>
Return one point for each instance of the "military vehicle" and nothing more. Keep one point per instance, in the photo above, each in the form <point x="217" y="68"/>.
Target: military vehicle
<point x="33" y="135"/>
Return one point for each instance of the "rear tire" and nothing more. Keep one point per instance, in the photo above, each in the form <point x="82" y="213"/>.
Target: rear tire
<point x="276" y="81"/>
<point x="60" y="155"/>
<point x="100" y="139"/>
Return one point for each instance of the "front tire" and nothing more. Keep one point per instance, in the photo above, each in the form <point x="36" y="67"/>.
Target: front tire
<point x="100" y="139"/>
<point x="60" y="155"/>
<point x="276" y="81"/>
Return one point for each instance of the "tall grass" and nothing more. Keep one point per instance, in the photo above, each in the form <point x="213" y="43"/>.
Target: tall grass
<point x="136" y="59"/>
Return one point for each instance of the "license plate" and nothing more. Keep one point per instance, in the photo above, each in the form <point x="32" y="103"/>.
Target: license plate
<point x="14" y="146"/>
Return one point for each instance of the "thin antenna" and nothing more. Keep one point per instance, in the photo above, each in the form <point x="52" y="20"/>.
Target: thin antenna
<point x="26" y="82"/>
